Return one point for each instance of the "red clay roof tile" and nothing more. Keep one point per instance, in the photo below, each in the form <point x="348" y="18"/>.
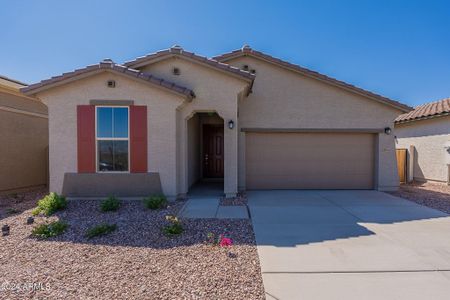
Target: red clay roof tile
<point x="427" y="110"/>
<point x="178" y="51"/>
<point x="108" y="65"/>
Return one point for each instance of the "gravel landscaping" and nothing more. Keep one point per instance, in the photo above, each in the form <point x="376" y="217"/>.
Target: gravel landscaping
<point x="240" y="199"/>
<point x="16" y="203"/>
<point x="434" y="195"/>
<point x="135" y="261"/>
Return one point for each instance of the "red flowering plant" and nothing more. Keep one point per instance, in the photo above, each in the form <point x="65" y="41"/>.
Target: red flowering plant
<point x="221" y="241"/>
<point x="225" y="242"/>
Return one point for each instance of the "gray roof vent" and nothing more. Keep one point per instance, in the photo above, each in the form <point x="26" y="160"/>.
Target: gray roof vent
<point x="246" y="48"/>
<point x="176" y="48"/>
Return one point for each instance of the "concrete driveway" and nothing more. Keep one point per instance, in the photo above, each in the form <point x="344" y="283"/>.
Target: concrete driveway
<point x="350" y="245"/>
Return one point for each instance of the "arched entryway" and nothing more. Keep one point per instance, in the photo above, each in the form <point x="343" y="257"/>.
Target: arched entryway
<point x="206" y="159"/>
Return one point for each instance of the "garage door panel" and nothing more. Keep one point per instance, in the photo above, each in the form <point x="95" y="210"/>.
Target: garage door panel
<point x="309" y="161"/>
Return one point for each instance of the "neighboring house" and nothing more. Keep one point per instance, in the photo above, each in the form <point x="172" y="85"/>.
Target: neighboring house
<point x="24" y="138"/>
<point x="174" y="118"/>
<point x="425" y="133"/>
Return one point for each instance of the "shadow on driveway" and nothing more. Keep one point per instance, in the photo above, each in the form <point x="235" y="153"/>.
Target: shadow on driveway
<point x="291" y="218"/>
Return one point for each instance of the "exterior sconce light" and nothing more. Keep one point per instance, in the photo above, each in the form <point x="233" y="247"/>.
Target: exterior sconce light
<point x="387" y="130"/>
<point x="231" y="124"/>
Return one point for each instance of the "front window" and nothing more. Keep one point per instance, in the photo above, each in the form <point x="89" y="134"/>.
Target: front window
<point x="112" y="138"/>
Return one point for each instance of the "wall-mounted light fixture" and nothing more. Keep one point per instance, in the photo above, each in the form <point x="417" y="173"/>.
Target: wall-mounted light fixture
<point x="388" y="130"/>
<point x="231" y="124"/>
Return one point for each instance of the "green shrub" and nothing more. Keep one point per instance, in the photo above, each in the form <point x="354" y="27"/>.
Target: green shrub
<point x="100" y="230"/>
<point x="110" y="204"/>
<point x="50" y="204"/>
<point x="155" y="202"/>
<point x="49" y="229"/>
<point x="174" y="228"/>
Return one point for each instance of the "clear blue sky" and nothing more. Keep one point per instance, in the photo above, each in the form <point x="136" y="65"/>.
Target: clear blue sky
<point x="400" y="49"/>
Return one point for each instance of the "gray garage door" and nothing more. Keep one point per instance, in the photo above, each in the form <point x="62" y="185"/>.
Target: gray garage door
<point x="309" y="160"/>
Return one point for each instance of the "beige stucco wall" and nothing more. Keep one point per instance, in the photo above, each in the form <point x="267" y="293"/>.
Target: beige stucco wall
<point x="193" y="150"/>
<point x="428" y="138"/>
<point x="215" y="92"/>
<point x="24" y="141"/>
<point x="62" y="104"/>
<point x="284" y="99"/>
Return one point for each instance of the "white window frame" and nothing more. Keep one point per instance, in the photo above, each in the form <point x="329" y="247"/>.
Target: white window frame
<point x="97" y="169"/>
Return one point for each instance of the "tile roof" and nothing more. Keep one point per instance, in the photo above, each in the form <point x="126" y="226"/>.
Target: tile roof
<point x="107" y="65"/>
<point x="248" y="51"/>
<point x="425" y="111"/>
<point x="178" y="51"/>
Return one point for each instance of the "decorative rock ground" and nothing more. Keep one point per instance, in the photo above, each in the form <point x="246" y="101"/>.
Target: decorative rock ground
<point x="137" y="261"/>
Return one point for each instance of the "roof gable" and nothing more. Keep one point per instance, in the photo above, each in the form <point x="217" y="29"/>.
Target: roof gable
<point x="108" y="66"/>
<point x="177" y="51"/>
<point x="247" y="51"/>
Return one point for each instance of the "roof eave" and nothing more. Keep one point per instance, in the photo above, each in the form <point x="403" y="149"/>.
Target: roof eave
<point x="112" y="68"/>
<point x="17" y="82"/>
<point x="423" y="118"/>
<point x="192" y="57"/>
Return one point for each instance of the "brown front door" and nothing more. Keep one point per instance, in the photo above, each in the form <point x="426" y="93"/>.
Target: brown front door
<point x="213" y="151"/>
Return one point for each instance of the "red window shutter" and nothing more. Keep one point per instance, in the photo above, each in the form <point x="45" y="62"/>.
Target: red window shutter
<point x="86" y="138"/>
<point x="138" y="139"/>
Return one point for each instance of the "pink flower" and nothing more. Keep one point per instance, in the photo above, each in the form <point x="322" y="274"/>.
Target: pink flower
<point x="225" y="242"/>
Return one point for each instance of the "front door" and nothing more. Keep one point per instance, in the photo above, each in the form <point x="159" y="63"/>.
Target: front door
<point x="213" y="151"/>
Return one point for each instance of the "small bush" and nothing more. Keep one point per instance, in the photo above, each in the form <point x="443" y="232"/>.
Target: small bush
<point x="100" y="230"/>
<point x="50" y="204"/>
<point x="174" y="228"/>
<point x="110" y="204"/>
<point x="155" y="202"/>
<point x="49" y="229"/>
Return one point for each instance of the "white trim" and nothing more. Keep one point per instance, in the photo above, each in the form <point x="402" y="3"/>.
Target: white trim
<point x="23" y="112"/>
<point x="112" y="139"/>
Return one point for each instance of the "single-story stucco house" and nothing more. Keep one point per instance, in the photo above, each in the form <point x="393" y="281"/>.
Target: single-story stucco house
<point x="425" y="134"/>
<point x="173" y="118"/>
<point x="24" y="139"/>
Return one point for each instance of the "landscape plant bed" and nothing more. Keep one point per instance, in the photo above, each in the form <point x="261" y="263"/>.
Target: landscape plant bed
<point x="135" y="261"/>
<point x="434" y="195"/>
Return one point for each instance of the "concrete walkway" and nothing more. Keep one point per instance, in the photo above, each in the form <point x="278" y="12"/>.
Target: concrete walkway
<point x="203" y="203"/>
<point x="350" y="245"/>
<point x="208" y="207"/>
